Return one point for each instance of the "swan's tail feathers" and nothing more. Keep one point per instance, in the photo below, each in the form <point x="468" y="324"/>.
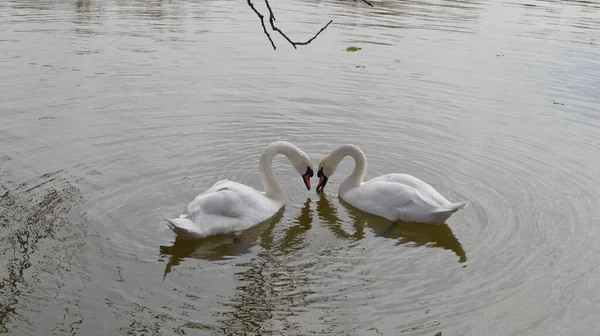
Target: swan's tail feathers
<point x="183" y="228"/>
<point x="445" y="211"/>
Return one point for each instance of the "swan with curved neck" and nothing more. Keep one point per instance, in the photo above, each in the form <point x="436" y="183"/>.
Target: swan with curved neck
<point x="228" y="207"/>
<point x="396" y="197"/>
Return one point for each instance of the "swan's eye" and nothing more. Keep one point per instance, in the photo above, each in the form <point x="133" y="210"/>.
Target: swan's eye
<point x="320" y="172"/>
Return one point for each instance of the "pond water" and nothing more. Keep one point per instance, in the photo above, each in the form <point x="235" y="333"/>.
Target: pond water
<point x="116" y="113"/>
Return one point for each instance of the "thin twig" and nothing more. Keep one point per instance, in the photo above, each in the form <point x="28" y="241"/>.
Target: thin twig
<point x="262" y="21"/>
<point x="275" y="28"/>
<point x="271" y="15"/>
<point x="368" y="3"/>
<point x="317" y="34"/>
<point x="271" y="19"/>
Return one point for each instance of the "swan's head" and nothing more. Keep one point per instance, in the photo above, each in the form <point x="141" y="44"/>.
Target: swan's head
<point x="299" y="160"/>
<point x="304" y="166"/>
<point x="329" y="164"/>
<point x="327" y="167"/>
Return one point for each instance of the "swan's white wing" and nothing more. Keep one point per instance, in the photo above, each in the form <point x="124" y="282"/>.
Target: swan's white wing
<point x="229" y="206"/>
<point x="386" y="199"/>
<point x="426" y="192"/>
<point x="210" y="193"/>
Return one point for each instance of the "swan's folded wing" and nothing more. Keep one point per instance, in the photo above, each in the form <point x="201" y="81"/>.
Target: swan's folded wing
<point x="221" y="183"/>
<point x="228" y="207"/>
<point x="426" y="192"/>
<point x="224" y="198"/>
<point x="381" y="197"/>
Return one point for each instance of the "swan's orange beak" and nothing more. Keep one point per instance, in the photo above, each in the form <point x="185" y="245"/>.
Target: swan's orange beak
<point x="322" y="181"/>
<point x="306" y="177"/>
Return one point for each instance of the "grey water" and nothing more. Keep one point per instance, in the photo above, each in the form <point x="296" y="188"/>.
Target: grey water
<point x="116" y="113"/>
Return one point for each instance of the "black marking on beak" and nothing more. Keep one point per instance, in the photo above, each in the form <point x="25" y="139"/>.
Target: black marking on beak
<point x="322" y="180"/>
<point x="306" y="177"/>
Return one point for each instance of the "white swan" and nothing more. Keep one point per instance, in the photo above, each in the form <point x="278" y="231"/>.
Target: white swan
<point x="396" y="197"/>
<point x="228" y="207"/>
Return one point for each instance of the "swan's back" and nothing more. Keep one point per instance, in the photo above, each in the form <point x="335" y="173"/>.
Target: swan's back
<point x="401" y="197"/>
<point x="425" y="191"/>
<point x="227" y="207"/>
<point x="391" y="200"/>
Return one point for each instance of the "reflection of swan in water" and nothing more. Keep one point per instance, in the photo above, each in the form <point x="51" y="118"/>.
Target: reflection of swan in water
<point x="221" y="247"/>
<point x="295" y="238"/>
<point x="277" y="282"/>
<point x="416" y="233"/>
<point x="218" y="247"/>
<point x="328" y="214"/>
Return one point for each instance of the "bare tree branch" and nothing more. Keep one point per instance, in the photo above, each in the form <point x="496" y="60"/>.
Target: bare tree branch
<point x="368" y="3"/>
<point x="271" y="15"/>
<point x="275" y="28"/>
<point x="317" y="34"/>
<point x="262" y="21"/>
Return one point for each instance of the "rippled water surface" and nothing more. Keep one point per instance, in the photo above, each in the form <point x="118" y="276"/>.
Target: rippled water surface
<point x="116" y="113"/>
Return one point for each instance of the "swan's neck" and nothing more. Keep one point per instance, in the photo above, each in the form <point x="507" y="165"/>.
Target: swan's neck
<point x="272" y="187"/>
<point x="355" y="178"/>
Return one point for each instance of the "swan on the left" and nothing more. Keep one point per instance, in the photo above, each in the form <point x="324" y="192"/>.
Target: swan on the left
<point x="229" y="207"/>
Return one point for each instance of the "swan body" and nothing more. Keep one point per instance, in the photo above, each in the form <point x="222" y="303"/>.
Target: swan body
<point x="228" y="206"/>
<point x="396" y="197"/>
